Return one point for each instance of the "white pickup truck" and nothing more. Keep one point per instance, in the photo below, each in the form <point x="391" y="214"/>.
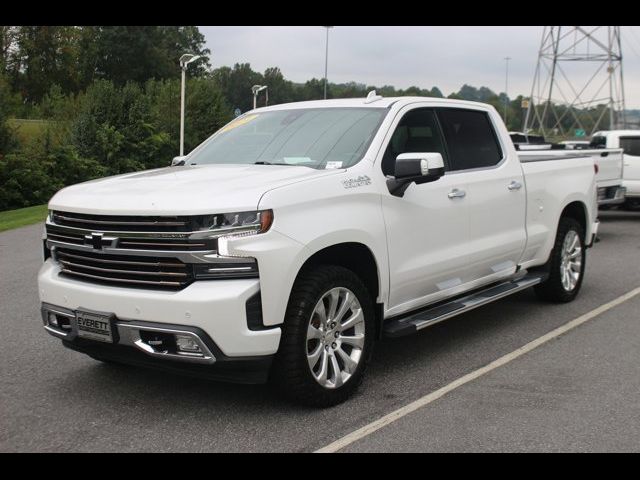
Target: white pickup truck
<point x="629" y="142"/>
<point x="297" y="235"/>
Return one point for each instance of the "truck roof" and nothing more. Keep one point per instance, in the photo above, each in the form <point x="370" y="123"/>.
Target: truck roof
<point x="617" y="132"/>
<point x="378" y="102"/>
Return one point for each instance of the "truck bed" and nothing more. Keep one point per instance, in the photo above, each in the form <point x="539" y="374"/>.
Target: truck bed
<point x="609" y="161"/>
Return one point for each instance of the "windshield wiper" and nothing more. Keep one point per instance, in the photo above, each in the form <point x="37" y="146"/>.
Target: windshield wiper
<point x="275" y="163"/>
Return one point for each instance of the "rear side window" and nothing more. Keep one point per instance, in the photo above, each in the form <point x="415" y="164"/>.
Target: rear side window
<point x="599" y="141"/>
<point x="630" y="145"/>
<point x="470" y="138"/>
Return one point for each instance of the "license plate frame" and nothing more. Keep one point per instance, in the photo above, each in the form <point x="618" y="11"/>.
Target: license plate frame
<point x="96" y="326"/>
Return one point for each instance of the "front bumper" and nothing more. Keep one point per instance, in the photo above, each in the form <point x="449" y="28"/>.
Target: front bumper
<point x="216" y="307"/>
<point x="213" y="364"/>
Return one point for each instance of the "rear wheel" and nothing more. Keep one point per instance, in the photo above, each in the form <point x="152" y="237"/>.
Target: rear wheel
<point x="566" y="264"/>
<point x="327" y="337"/>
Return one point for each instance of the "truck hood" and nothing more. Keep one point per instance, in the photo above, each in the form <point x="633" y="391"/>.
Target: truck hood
<point x="189" y="190"/>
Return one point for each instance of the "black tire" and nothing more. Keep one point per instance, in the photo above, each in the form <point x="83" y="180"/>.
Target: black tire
<point x="631" y="205"/>
<point x="553" y="289"/>
<point x="291" y="372"/>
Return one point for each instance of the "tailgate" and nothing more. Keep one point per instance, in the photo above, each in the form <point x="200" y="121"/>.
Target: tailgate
<point x="609" y="166"/>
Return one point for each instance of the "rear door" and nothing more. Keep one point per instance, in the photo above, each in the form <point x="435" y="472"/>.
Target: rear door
<point x="495" y="192"/>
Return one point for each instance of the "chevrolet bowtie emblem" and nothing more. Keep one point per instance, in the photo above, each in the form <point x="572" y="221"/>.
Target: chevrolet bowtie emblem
<point x="95" y="240"/>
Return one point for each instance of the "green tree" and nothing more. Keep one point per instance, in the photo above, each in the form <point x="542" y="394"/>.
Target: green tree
<point x="46" y="55"/>
<point x="280" y="90"/>
<point x="31" y="175"/>
<point x="206" y="111"/>
<point x="235" y="84"/>
<point x="7" y="136"/>
<point x="116" y="128"/>
<point x="139" y="53"/>
<point x="313" y="90"/>
<point x="8" y="45"/>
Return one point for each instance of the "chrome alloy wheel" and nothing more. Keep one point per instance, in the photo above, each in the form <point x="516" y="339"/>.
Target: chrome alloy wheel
<point x="335" y="337"/>
<point x="571" y="261"/>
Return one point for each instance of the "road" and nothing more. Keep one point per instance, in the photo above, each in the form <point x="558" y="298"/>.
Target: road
<point x="578" y="392"/>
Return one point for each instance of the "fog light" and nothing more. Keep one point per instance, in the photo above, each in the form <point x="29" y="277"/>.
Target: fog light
<point x="53" y="320"/>
<point x="186" y="343"/>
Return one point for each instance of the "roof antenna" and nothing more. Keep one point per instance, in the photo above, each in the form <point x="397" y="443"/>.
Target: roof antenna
<point x="373" y="97"/>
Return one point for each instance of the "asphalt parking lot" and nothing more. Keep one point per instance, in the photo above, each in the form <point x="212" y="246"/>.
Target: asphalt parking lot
<point x="578" y="392"/>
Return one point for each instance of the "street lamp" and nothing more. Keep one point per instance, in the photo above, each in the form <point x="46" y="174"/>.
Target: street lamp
<point x="506" y="91"/>
<point x="185" y="60"/>
<point x="256" y="89"/>
<point x="326" y="61"/>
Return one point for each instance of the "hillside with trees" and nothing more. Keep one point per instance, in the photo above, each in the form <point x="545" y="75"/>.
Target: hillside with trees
<point x="80" y="102"/>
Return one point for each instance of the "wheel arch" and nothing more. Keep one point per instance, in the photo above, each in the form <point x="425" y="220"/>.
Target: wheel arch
<point x="578" y="211"/>
<point x="575" y="209"/>
<point x="358" y="258"/>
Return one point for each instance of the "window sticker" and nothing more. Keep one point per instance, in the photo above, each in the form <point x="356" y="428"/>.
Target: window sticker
<point x="237" y="123"/>
<point x="333" y="165"/>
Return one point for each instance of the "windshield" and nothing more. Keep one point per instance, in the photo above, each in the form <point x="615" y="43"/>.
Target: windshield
<point x="316" y="137"/>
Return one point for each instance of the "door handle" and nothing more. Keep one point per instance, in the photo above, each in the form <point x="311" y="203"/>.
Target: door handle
<point x="515" y="185"/>
<point x="456" y="193"/>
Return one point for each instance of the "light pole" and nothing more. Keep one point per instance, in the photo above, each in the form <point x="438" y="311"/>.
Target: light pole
<point x="185" y="60"/>
<point x="256" y="89"/>
<point x="326" y="61"/>
<point x="506" y="91"/>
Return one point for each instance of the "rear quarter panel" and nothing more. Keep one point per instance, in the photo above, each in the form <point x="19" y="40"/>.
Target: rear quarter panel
<point x="551" y="186"/>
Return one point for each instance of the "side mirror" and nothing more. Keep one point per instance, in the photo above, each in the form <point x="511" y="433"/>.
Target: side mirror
<point x="178" y="161"/>
<point x="415" y="168"/>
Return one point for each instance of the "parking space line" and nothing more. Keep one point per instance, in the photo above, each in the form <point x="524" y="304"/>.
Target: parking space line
<point x="431" y="397"/>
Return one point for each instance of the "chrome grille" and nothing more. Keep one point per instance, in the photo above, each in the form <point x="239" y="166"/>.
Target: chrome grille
<point x="71" y="235"/>
<point x="123" y="223"/>
<point x="140" y="251"/>
<point x="124" y="270"/>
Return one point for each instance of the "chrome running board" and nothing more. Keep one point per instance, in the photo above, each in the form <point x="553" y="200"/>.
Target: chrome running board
<point x="406" y="325"/>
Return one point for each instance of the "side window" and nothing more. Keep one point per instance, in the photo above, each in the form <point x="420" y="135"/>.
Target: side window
<point x="599" y="141"/>
<point x="630" y="145"/>
<point x="471" y="140"/>
<point x="418" y="131"/>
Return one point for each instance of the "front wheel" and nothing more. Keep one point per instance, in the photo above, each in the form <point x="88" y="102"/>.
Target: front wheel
<point x="566" y="264"/>
<point x="327" y="337"/>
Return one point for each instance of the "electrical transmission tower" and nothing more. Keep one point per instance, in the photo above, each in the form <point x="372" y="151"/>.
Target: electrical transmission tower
<point x="578" y="83"/>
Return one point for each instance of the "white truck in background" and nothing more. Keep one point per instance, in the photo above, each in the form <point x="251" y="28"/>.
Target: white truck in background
<point x="293" y="238"/>
<point x="629" y="142"/>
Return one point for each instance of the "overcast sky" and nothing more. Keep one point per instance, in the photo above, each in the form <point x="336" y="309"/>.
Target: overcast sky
<point x="446" y="57"/>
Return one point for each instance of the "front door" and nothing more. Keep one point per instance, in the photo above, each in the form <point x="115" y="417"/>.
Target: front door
<point x="427" y="228"/>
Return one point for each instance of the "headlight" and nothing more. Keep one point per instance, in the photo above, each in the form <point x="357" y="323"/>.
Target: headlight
<point x="229" y="226"/>
<point x="245" y="223"/>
